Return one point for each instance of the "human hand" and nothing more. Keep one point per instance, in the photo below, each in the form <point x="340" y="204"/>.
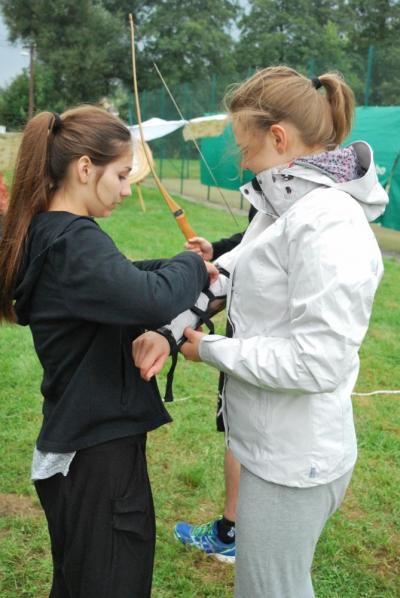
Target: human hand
<point x="150" y="351"/>
<point x="190" y="349"/>
<point x="213" y="272"/>
<point x="201" y="246"/>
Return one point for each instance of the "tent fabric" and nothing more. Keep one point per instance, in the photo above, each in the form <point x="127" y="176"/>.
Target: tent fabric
<point x="380" y="127"/>
<point x="205" y="126"/>
<point x="202" y="126"/>
<point x="154" y="128"/>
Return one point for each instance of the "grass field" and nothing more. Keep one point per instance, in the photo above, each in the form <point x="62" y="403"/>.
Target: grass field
<point x="358" y="554"/>
<point x="171" y="168"/>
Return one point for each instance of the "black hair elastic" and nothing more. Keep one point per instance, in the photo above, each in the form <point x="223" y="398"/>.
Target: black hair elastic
<point x="56" y="123"/>
<point x="316" y="82"/>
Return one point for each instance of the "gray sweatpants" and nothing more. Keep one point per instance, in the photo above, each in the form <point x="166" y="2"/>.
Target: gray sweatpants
<point x="277" y="530"/>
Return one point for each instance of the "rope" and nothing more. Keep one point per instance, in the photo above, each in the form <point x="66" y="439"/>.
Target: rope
<point x="375" y="392"/>
<point x="353" y="394"/>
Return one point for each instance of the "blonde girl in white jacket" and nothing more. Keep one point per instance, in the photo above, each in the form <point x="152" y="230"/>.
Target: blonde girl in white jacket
<point x="299" y="298"/>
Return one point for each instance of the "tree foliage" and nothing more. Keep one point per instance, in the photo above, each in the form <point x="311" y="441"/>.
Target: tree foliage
<point x="189" y="40"/>
<point x="80" y="44"/>
<point x="316" y="36"/>
<point x="83" y="48"/>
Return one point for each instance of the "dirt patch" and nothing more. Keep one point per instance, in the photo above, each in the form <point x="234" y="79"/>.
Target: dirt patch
<point x="351" y="507"/>
<point x="4" y="533"/>
<point x="391" y="428"/>
<point x="364" y="401"/>
<point x="212" y="571"/>
<point x="387" y="561"/>
<point x="14" y="504"/>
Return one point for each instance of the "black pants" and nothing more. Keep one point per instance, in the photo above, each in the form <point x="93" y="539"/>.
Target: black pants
<point x="101" y="523"/>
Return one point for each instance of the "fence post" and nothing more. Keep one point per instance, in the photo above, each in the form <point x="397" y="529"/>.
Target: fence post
<point x="369" y="75"/>
<point x="144" y="104"/>
<point x="131" y="112"/>
<point x="311" y="68"/>
<point x="214" y="93"/>
<point x="183" y="148"/>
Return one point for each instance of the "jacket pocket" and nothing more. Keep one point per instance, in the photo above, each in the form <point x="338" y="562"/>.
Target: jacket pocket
<point x="132" y="514"/>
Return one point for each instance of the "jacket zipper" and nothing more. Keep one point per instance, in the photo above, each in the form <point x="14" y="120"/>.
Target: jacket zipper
<point x="232" y="330"/>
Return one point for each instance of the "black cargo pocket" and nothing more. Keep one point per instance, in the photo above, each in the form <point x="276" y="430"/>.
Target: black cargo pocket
<point x="131" y="514"/>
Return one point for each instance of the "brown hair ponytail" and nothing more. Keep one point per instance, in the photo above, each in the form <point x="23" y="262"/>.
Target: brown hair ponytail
<point x="49" y="144"/>
<point x="280" y="93"/>
<point x="30" y="181"/>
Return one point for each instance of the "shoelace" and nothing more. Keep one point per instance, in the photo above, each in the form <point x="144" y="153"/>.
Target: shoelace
<point x="206" y="528"/>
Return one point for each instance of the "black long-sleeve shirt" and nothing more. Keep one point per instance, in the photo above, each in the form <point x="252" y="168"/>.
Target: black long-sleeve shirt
<point x="85" y="302"/>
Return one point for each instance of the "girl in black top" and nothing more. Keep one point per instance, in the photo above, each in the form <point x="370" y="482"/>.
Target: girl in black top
<point x="85" y="303"/>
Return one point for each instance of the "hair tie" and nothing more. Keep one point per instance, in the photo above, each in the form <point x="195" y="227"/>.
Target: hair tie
<point x="56" y="123"/>
<point x="316" y="82"/>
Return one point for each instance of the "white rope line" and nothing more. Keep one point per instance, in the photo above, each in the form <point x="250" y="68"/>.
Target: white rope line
<point x="353" y="394"/>
<point x="375" y="392"/>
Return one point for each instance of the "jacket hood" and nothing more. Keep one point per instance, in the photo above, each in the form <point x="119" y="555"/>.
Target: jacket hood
<point x="44" y="230"/>
<point x="350" y="169"/>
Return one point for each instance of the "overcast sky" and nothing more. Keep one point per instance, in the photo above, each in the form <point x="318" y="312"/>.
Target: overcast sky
<point x="11" y="61"/>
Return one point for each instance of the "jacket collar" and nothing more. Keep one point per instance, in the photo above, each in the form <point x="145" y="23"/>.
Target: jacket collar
<point x="276" y="190"/>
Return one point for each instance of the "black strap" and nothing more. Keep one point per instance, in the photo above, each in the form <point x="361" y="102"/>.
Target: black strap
<point x="223" y="271"/>
<point x="169" y="396"/>
<point x="174" y="349"/>
<point x="203" y="317"/>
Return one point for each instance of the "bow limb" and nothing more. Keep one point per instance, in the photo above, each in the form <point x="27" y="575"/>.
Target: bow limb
<point x="175" y="208"/>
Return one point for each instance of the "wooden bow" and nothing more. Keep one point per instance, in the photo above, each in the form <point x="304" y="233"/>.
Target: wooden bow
<point x="175" y="208"/>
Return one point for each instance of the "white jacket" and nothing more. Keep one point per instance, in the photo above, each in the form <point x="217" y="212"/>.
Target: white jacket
<point x="301" y="290"/>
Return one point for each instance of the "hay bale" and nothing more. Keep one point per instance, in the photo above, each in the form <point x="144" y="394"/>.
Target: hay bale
<point x="9" y="145"/>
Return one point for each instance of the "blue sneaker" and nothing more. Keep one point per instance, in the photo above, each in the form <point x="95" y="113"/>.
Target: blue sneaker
<point x="205" y="538"/>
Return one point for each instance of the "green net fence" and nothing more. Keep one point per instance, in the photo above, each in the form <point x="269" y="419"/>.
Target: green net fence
<point x="182" y="171"/>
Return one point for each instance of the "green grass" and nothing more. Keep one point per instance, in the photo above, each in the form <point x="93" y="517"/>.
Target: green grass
<point x="175" y="168"/>
<point x="358" y="554"/>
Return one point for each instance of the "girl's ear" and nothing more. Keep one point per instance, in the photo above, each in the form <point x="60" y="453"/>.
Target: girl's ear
<point x="84" y="168"/>
<point x="279" y="138"/>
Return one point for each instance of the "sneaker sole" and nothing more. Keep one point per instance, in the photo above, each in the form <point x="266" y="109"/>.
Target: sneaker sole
<point x="230" y="560"/>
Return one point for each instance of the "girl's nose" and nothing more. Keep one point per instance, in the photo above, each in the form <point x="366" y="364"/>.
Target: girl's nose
<point x="126" y="189"/>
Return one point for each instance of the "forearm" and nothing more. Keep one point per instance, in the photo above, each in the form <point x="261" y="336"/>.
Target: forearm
<point x="279" y="363"/>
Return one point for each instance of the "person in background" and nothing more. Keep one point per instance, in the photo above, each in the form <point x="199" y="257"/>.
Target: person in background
<point x="217" y="537"/>
<point x="85" y="302"/>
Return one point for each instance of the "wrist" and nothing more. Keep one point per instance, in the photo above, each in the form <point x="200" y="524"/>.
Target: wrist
<point x="167" y="334"/>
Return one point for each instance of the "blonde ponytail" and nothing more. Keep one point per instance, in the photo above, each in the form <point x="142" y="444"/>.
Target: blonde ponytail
<point x="342" y="103"/>
<point x="323" y="117"/>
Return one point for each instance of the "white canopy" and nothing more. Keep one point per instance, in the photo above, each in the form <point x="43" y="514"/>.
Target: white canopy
<point x="202" y="126"/>
<point x="154" y="128"/>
